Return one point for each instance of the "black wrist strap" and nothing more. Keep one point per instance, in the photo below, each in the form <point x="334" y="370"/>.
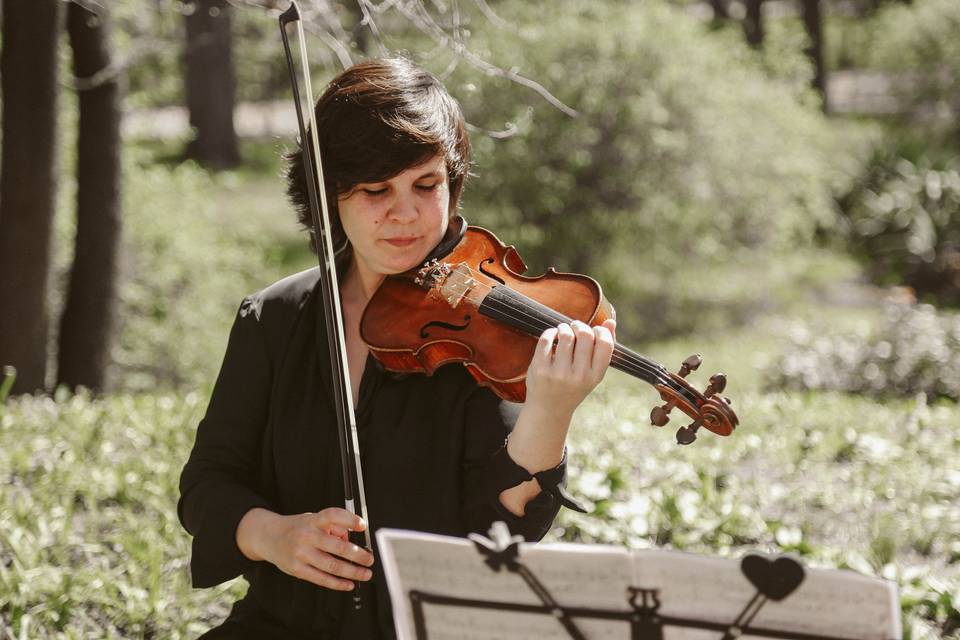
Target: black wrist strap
<point x="553" y="481"/>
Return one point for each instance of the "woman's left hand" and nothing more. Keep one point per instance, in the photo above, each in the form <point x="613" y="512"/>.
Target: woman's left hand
<point x="569" y="361"/>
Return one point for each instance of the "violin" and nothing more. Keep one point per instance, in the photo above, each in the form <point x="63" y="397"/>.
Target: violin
<point x="472" y="304"/>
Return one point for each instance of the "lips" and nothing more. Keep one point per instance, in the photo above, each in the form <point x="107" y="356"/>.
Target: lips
<point x="404" y="241"/>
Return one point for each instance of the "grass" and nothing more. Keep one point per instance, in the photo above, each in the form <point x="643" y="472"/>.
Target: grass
<point x="90" y="545"/>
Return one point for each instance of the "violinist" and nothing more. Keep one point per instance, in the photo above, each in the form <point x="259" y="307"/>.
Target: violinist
<point x="262" y="493"/>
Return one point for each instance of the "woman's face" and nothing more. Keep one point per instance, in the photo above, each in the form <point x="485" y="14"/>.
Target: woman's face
<point x="394" y="224"/>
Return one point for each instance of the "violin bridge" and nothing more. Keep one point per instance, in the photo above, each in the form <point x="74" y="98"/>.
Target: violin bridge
<point x="446" y="282"/>
<point x="457" y="285"/>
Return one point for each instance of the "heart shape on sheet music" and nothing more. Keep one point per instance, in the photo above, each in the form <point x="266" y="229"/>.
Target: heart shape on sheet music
<point x="776" y="579"/>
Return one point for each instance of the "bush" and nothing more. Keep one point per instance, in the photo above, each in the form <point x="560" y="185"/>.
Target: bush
<point x="685" y="152"/>
<point x="904" y="222"/>
<point x="921" y="41"/>
<point x="914" y="350"/>
<point x="851" y="41"/>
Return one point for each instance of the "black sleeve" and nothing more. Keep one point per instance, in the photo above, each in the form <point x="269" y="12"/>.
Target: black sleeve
<point x="217" y="483"/>
<point x="488" y="471"/>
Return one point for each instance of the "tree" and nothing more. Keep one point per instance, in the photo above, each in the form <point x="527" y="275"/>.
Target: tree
<point x="753" y="23"/>
<point x="813" y="23"/>
<point x="360" y="32"/>
<point x="87" y="321"/>
<point x="210" y="83"/>
<point x="720" y="11"/>
<point x="28" y="66"/>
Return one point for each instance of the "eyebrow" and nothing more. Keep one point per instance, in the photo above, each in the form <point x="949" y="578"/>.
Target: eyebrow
<point x="431" y="174"/>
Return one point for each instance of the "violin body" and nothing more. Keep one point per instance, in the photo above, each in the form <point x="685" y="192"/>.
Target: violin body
<point x="408" y="331"/>
<point x="475" y="306"/>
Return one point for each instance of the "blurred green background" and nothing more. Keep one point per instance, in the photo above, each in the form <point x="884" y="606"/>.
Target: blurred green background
<point x="788" y="206"/>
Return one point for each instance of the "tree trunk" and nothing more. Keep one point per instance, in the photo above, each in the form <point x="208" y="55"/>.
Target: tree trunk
<point x="753" y="23"/>
<point x="28" y="161"/>
<point x="361" y="33"/>
<point x="210" y="84"/>
<point x="813" y="23"/>
<point x="720" y="12"/>
<point x="87" y="322"/>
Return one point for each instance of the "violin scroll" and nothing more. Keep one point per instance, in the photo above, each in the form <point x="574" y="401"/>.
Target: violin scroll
<point x="708" y="409"/>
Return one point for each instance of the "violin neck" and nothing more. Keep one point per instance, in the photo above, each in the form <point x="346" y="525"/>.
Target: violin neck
<point x="638" y="366"/>
<point x="533" y="318"/>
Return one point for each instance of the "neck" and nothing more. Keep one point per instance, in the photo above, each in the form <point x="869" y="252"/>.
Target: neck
<point x="360" y="283"/>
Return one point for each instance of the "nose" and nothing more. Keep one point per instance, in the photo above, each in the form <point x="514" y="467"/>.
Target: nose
<point x="403" y="209"/>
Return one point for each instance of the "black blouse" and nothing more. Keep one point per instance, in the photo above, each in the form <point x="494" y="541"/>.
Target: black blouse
<point x="432" y="450"/>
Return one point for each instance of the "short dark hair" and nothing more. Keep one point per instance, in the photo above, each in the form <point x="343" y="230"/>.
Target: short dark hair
<point x="376" y="119"/>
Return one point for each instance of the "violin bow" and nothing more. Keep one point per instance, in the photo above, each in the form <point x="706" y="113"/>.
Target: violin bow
<point x="354" y="500"/>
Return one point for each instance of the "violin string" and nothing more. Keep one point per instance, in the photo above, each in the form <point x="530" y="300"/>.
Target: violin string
<point x="533" y="322"/>
<point x="620" y="357"/>
<point x="627" y="361"/>
<point x="627" y="356"/>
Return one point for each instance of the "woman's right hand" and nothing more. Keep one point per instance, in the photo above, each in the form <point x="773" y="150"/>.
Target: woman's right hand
<point x="311" y="546"/>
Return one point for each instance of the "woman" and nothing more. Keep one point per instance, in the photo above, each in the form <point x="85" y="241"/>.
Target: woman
<point x="261" y="492"/>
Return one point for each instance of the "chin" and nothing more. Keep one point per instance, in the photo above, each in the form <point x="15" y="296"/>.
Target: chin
<point x="394" y="262"/>
<point x="390" y="267"/>
<point x="412" y="259"/>
<point x="406" y="265"/>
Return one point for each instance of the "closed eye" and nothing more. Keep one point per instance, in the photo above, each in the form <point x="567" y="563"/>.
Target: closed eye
<point x="375" y="192"/>
<point x="428" y="187"/>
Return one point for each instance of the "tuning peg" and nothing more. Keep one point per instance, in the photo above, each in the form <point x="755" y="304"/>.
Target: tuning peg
<point x="687" y="434"/>
<point x="692" y="363"/>
<point x="718" y="382"/>
<point x="660" y="416"/>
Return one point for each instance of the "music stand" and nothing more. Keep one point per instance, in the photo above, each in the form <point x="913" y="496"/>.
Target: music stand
<point x="499" y="587"/>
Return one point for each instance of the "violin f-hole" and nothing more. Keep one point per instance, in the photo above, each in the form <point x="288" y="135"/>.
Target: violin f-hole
<point x="487" y="273"/>
<point x="445" y="325"/>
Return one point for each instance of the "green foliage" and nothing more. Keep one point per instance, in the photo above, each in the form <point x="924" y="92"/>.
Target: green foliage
<point x="840" y="480"/>
<point x="850" y="41"/>
<point x="921" y="41"/>
<point x="150" y="35"/>
<point x="904" y="222"/>
<point x="6" y="382"/>
<point x="685" y="151"/>
<point x="783" y="53"/>
<point x="853" y="31"/>
<point x="914" y="350"/>
<point x="90" y="545"/>
<point x="195" y="244"/>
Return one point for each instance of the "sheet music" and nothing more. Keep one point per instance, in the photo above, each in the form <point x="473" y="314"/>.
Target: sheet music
<point x="454" y="567"/>
<point x="828" y="602"/>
